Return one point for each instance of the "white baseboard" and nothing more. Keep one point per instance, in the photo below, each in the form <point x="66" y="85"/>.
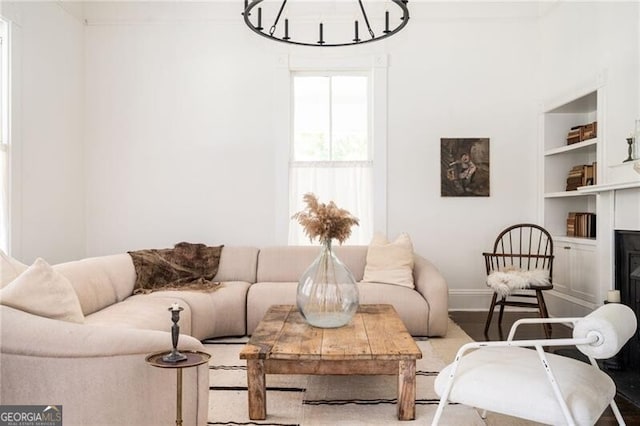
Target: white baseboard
<point x="562" y="305"/>
<point x="469" y="299"/>
<point x="558" y="304"/>
<point x="475" y="300"/>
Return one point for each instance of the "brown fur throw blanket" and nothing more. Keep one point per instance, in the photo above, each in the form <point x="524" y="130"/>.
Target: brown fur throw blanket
<point x="185" y="267"/>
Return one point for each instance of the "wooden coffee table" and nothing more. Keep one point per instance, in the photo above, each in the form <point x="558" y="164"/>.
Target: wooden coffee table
<point x="374" y="342"/>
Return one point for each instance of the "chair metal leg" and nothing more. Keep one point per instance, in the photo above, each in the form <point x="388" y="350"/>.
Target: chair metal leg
<point x="556" y="387"/>
<point x="490" y="314"/>
<point x="438" y="414"/>
<point x="616" y="412"/>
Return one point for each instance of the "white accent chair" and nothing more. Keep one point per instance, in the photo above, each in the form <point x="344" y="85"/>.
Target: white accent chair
<point x="510" y="378"/>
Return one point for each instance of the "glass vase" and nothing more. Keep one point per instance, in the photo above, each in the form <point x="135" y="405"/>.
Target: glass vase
<point x="327" y="293"/>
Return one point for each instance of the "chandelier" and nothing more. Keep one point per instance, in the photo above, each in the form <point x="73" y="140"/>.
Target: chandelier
<point x="280" y="30"/>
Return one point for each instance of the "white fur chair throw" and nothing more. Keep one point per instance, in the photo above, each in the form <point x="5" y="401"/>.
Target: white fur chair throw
<point x="506" y="281"/>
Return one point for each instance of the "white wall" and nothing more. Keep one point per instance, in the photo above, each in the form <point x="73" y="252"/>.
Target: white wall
<point x="47" y="174"/>
<point x="179" y="137"/>
<point x="180" y="144"/>
<point x="464" y="72"/>
<point x="179" y="140"/>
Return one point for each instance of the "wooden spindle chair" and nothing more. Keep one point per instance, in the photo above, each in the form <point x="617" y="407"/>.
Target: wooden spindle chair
<point x="524" y="246"/>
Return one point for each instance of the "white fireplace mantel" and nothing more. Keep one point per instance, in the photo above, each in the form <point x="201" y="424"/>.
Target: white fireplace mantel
<point x="619" y="208"/>
<point x="610" y="187"/>
<point x="625" y="175"/>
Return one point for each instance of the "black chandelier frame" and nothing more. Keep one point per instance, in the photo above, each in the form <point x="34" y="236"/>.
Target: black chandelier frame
<point x="387" y="32"/>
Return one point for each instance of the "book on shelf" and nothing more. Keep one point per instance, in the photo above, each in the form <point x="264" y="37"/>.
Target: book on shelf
<point x="582" y="133"/>
<point x="571" y="224"/>
<point x="574" y="136"/>
<point x="581" y="175"/>
<point x="581" y="224"/>
<point x="590" y="131"/>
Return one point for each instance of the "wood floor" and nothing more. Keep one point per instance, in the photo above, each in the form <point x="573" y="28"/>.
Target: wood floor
<point x="473" y="324"/>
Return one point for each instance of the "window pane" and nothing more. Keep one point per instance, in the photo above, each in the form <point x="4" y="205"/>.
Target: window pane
<point x="350" y="187"/>
<point x="311" y="127"/>
<point x="349" y="118"/>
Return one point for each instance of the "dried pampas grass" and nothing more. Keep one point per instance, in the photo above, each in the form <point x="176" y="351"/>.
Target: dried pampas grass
<point x="325" y="221"/>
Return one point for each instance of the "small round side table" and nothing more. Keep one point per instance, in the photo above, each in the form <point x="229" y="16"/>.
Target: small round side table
<point x="194" y="358"/>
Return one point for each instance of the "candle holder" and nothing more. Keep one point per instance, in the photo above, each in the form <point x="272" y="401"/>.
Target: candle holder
<point x="175" y="356"/>
<point x="629" y="150"/>
<point x="333" y="22"/>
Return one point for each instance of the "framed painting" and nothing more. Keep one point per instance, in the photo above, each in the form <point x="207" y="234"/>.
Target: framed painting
<point x="464" y="164"/>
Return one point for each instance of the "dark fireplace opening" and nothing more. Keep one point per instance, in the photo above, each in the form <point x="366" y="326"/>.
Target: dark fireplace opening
<point x="627" y="276"/>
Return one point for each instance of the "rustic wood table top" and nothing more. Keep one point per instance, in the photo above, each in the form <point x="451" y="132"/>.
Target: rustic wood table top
<point x="376" y="332"/>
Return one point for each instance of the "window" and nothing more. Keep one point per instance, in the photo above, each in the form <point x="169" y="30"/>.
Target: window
<point x="355" y="179"/>
<point x="4" y="138"/>
<point x="331" y="149"/>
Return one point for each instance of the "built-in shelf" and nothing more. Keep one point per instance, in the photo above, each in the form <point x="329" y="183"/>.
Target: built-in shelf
<point x="631" y="163"/>
<point x="573" y="147"/>
<point x="565" y="194"/>
<point x="575" y="240"/>
<point x="575" y="269"/>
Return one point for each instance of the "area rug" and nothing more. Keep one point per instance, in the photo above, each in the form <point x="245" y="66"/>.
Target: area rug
<point x="324" y="400"/>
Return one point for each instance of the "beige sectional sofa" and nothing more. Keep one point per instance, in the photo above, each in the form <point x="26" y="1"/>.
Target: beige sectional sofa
<point x="97" y="370"/>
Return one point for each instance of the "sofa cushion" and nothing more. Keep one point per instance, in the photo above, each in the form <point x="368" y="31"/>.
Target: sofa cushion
<point x="144" y="312"/>
<point x="412" y="308"/>
<point x="264" y="294"/>
<point x="390" y="262"/>
<point x="10" y="268"/>
<point x="238" y="264"/>
<point x="288" y="263"/>
<point x="215" y="314"/>
<point x="100" y="281"/>
<point x="42" y="291"/>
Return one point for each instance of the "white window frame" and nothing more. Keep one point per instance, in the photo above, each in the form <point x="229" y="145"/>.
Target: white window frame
<point x="376" y="66"/>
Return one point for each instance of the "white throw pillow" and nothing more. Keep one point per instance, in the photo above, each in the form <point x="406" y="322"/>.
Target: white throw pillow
<point x="390" y="262"/>
<point x="9" y="269"/>
<point x="44" y="292"/>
